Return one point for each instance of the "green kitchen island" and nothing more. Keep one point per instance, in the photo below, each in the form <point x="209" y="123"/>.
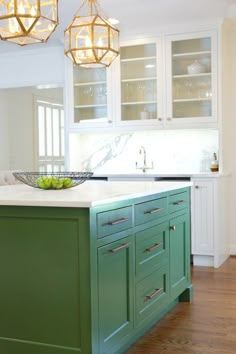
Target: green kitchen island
<point x="89" y="269"/>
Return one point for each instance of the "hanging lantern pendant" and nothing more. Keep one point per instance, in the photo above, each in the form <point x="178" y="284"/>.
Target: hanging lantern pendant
<point x="91" y="40"/>
<point x="28" y="21"/>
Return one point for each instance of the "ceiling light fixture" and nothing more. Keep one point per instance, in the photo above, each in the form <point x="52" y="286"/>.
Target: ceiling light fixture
<point x="28" y="21"/>
<point x="91" y="40"/>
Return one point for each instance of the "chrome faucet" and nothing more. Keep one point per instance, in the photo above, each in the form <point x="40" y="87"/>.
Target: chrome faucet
<point x="145" y="166"/>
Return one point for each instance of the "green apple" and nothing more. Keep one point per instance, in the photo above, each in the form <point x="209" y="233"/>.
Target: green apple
<point x="44" y="182"/>
<point x="67" y="182"/>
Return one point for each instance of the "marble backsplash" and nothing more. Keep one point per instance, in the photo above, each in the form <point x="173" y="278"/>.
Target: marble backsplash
<point x="169" y="151"/>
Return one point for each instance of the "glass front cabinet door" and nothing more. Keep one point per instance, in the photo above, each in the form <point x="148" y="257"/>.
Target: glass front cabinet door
<point x="88" y="97"/>
<point x="191" y="78"/>
<point x="140" y="76"/>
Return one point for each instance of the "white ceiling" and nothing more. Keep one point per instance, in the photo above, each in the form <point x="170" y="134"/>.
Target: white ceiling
<point x="140" y="17"/>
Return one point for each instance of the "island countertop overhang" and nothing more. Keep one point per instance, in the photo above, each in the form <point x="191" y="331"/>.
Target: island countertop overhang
<point x="87" y="195"/>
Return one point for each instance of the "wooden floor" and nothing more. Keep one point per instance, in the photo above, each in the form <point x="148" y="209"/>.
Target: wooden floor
<point x="206" y="326"/>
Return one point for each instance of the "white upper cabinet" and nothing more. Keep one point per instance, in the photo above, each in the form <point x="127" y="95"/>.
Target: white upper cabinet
<point x="169" y="81"/>
<point x="191" y="78"/>
<point x="139" y="84"/>
<point x="88" y="97"/>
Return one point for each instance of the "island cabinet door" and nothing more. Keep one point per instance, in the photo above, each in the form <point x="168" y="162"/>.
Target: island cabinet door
<point x="179" y="254"/>
<point x="115" y="293"/>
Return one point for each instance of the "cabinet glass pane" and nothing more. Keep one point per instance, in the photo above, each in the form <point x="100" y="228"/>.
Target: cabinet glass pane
<point x="90" y="94"/>
<point x="138" y="82"/>
<point x="191" y="78"/>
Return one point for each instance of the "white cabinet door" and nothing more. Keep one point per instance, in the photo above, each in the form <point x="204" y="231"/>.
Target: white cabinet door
<point x="88" y="97"/>
<point x="202" y="217"/>
<point x="209" y="220"/>
<point x="139" y="84"/>
<point x="192" y="78"/>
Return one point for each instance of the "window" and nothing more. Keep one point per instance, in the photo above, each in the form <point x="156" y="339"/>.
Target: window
<point x="50" y="136"/>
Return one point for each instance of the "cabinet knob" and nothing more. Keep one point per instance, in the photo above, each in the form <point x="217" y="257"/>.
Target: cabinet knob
<point x="160" y="119"/>
<point x="172" y="227"/>
<point x="169" y="119"/>
<point x="197" y="187"/>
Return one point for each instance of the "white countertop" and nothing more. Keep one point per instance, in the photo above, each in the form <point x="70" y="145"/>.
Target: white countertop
<point x="89" y="194"/>
<point x="146" y="175"/>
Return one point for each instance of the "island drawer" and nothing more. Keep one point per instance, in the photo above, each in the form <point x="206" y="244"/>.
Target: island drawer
<point x="150" y="210"/>
<point x="112" y="221"/>
<point x="152" y="248"/>
<point x="178" y="201"/>
<point x="152" y="293"/>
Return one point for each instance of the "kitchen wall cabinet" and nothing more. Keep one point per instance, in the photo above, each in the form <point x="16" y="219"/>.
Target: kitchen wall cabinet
<point x="163" y="82"/>
<point x="192" y="78"/>
<point x="209" y="200"/>
<point x="139" y="86"/>
<point x="88" y="97"/>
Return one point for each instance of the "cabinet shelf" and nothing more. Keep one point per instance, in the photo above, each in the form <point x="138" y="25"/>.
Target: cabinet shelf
<point x="137" y="103"/>
<point x="90" y="83"/>
<point x="190" y="55"/>
<point x="192" y="99"/>
<point x="191" y="75"/>
<point x="90" y="106"/>
<point x="137" y="59"/>
<point x="139" y="79"/>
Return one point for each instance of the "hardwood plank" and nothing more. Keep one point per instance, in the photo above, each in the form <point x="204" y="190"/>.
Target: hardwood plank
<point x="206" y="326"/>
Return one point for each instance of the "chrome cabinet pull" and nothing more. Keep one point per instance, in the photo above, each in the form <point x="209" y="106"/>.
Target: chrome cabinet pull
<point x="115" y="222"/>
<point x="197" y="187"/>
<point x="155" y="293"/>
<point x="121" y="247"/>
<point x="153" y="247"/>
<point x="180" y="202"/>
<point x="173" y="227"/>
<point x="153" y="211"/>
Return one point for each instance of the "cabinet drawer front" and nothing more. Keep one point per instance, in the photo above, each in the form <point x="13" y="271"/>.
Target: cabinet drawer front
<point x="112" y="221"/>
<point x="150" y="210"/>
<point x="152" y="248"/>
<point x="151" y="294"/>
<point x="178" y="201"/>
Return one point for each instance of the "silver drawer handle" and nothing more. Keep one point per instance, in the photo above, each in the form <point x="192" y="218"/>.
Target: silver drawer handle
<point x="155" y="293"/>
<point x="180" y="202"/>
<point x="121" y="247"/>
<point x="115" y="222"/>
<point x="153" y="247"/>
<point x="153" y="211"/>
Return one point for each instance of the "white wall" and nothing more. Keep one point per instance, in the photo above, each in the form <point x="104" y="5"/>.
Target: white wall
<point x="180" y="151"/>
<point x="32" y="67"/>
<point x="19" y="130"/>
<point x="4" y="138"/>
<point x="229" y="117"/>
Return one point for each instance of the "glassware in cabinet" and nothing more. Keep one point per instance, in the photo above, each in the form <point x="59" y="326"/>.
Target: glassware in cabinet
<point x="192" y="78"/>
<point x="138" y="72"/>
<point x="90" y="95"/>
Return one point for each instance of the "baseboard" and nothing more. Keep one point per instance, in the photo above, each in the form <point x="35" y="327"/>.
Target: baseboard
<point x="233" y="250"/>
<point x="205" y="261"/>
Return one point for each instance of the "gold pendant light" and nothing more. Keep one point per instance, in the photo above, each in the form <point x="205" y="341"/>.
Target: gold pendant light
<point x="91" y="40"/>
<point x="28" y="21"/>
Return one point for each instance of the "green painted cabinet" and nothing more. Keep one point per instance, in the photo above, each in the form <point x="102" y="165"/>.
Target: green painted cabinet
<point x="91" y="280"/>
<point x="179" y="254"/>
<point x="115" y="293"/>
